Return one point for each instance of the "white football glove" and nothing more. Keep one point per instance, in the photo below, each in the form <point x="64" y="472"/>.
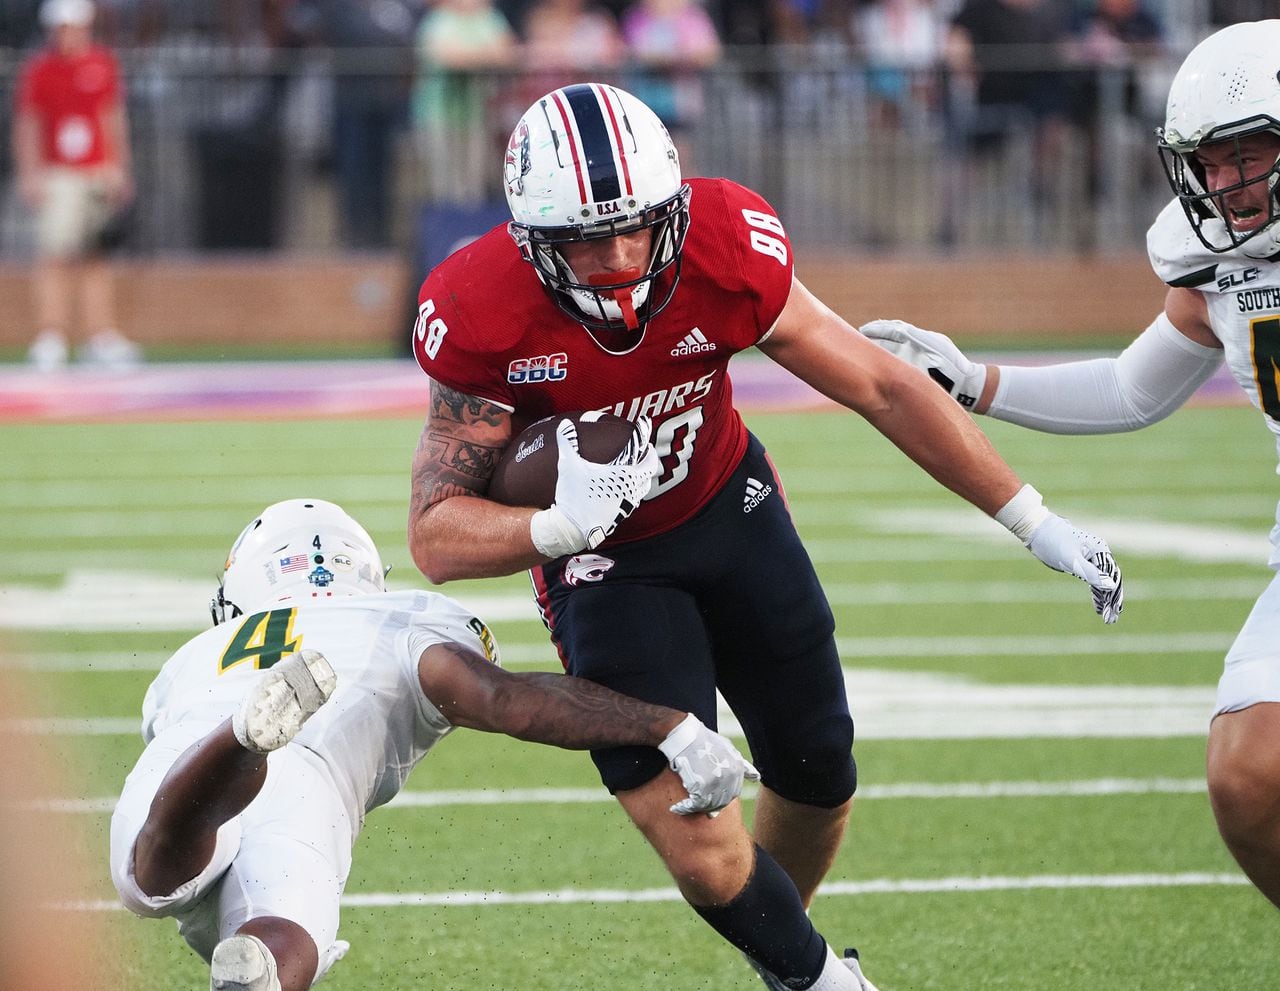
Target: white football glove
<point x="710" y="767"/>
<point x="1055" y="542"/>
<point x="592" y="499"/>
<point x="933" y="353"/>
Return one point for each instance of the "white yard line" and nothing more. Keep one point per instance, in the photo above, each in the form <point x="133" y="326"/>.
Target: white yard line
<point x="928" y="705"/>
<point x="878" y="886"/>
<point x="903" y="790"/>
<point x="1181" y="541"/>
<point x="851" y="648"/>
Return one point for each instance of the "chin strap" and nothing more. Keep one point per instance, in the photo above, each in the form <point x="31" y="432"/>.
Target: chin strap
<point x="222" y="609"/>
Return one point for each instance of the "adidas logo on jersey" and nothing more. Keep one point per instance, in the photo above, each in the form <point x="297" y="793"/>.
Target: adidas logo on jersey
<point x="757" y="492"/>
<point x="695" y="342"/>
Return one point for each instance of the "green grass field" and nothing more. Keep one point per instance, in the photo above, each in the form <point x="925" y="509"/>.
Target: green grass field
<point x="1033" y="812"/>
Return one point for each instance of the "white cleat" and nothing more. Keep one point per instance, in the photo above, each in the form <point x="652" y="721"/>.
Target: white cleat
<point x="766" y="975"/>
<point x="337" y="950"/>
<point x="243" y="963"/>
<point x="851" y="961"/>
<point x="836" y="974"/>
<point x="282" y="699"/>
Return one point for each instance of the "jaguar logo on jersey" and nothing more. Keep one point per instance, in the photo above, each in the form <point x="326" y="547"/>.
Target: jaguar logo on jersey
<point x="539" y="368"/>
<point x="586" y="568"/>
<point x="757" y="492"/>
<point x="695" y="342"/>
<point x="665" y="401"/>
<point x="516" y="165"/>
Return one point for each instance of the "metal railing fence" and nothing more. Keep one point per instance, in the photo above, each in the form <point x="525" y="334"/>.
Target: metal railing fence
<point x="316" y="150"/>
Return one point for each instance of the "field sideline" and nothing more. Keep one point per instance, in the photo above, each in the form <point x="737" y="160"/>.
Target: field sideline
<point x="1033" y="814"/>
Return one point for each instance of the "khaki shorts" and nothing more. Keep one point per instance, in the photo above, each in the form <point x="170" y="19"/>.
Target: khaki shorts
<point x="76" y="208"/>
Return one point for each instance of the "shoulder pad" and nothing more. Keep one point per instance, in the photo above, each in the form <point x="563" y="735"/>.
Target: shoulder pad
<point x="1176" y="254"/>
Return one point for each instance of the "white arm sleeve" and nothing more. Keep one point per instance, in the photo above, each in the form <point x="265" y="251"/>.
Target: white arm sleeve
<point x="1151" y="378"/>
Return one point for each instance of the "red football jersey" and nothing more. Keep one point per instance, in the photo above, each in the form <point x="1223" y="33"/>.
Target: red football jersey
<point x="69" y="96"/>
<point x="487" y="328"/>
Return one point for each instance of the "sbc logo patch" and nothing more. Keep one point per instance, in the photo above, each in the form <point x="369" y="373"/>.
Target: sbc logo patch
<point x="540" y="368"/>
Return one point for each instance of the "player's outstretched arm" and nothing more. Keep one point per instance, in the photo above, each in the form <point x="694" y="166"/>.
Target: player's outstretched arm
<point x="563" y="711"/>
<point x="1146" y="382"/>
<point x="911" y="411"/>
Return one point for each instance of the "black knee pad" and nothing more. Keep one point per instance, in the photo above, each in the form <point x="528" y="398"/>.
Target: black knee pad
<point x="816" y="767"/>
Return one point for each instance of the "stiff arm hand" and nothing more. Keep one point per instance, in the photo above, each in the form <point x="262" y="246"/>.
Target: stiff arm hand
<point x="592" y="499"/>
<point x="933" y="353"/>
<point x="710" y="767"/>
<point x="1052" y="539"/>
<point x="1063" y="547"/>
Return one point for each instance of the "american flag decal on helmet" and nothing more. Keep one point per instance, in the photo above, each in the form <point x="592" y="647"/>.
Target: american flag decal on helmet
<point x="594" y="122"/>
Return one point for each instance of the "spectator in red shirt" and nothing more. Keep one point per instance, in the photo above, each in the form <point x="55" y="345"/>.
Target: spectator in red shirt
<point x="73" y="166"/>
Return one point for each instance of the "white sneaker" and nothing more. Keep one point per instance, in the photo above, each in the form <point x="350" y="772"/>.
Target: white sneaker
<point x="282" y="699"/>
<point x="110" y="349"/>
<point x="48" y="352"/>
<point x="242" y="963"/>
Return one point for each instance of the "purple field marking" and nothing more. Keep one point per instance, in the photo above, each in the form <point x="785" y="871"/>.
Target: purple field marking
<point x="347" y="389"/>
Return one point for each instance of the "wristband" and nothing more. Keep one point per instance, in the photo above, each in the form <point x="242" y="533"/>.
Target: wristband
<point x="553" y="535"/>
<point x="1022" y="514"/>
<point x="685" y="733"/>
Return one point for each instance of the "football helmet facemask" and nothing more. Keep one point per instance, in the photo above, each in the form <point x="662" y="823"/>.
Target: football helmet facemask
<point x="297" y="551"/>
<point x="591" y="161"/>
<point x="1225" y="90"/>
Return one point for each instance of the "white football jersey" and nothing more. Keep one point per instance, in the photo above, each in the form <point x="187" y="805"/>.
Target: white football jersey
<point x="1243" y="299"/>
<point x="377" y="725"/>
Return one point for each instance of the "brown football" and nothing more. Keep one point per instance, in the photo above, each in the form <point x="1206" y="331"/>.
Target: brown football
<point x="527" y="471"/>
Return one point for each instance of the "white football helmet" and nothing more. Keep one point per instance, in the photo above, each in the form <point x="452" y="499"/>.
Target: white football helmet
<point x="591" y="161"/>
<point x="297" y="551"/>
<point x="1226" y="88"/>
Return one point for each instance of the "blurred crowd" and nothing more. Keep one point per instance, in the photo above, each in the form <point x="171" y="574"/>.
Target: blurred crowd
<point x="448" y="77"/>
<point x="380" y="124"/>
<point x="889" y="27"/>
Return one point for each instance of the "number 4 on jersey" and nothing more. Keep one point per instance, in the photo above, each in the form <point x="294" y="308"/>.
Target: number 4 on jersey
<point x="264" y="638"/>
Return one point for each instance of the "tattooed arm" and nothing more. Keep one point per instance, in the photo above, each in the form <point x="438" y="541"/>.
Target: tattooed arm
<point x="562" y="711"/>
<point x="554" y="709"/>
<point x="454" y="532"/>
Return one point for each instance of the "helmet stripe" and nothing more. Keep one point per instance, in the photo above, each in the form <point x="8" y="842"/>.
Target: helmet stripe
<point x="597" y="149"/>
<point x="610" y="96"/>
<point x="573" y="143"/>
